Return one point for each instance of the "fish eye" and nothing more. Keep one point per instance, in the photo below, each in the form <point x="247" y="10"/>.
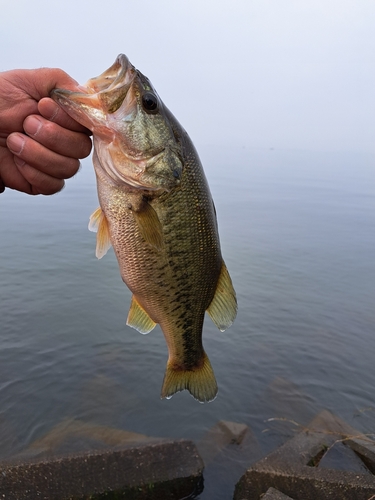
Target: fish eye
<point x="149" y="102"/>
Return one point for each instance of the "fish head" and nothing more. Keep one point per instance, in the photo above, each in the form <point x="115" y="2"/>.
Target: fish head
<point x="134" y="140"/>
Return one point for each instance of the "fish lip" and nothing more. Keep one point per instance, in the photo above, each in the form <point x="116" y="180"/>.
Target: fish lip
<point x="82" y="106"/>
<point x="90" y="101"/>
<point x="72" y="97"/>
<point x="113" y="77"/>
<point x="93" y="85"/>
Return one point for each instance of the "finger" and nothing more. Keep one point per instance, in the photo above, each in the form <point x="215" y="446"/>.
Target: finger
<point x="9" y="174"/>
<point x="39" y="182"/>
<point x="53" y="112"/>
<point x="56" y="138"/>
<point x="41" y="158"/>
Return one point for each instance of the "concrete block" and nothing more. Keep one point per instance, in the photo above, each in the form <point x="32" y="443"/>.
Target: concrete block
<point x="222" y="434"/>
<point x="168" y="470"/>
<point x="293" y="468"/>
<point x="341" y="457"/>
<point x="224" y="466"/>
<point x="273" y="494"/>
<point x="365" y="449"/>
<point x="76" y="436"/>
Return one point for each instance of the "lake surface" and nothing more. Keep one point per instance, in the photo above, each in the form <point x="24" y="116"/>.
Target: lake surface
<point x="298" y="236"/>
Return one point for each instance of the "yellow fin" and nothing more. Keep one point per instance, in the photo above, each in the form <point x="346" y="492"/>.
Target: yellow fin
<point x="199" y="381"/>
<point x="150" y="226"/>
<point x="99" y="225"/>
<point x="138" y="318"/>
<point x="95" y="220"/>
<point x="223" y="308"/>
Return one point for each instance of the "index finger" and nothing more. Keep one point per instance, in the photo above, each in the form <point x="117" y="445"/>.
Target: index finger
<point x="50" y="110"/>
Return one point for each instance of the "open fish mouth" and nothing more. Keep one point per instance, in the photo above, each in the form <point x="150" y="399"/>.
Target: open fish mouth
<point x="132" y="134"/>
<point x="121" y="73"/>
<point x="100" y="95"/>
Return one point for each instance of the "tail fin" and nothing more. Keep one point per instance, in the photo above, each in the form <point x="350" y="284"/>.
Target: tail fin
<point x="199" y="381"/>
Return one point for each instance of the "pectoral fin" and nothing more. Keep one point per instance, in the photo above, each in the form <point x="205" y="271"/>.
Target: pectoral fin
<point x="223" y="308"/>
<point x="138" y="318"/>
<point x="149" y="226"/>
<point x="99" y="225"/>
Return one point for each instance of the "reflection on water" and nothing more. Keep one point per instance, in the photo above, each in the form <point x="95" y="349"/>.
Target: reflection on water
<point x="298" y="236"/>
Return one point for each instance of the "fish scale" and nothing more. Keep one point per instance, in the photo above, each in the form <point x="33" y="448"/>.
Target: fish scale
<point x="157" y="212"/>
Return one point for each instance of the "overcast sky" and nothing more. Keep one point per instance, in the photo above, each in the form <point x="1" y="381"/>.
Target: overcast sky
<point x="294" y="74"/>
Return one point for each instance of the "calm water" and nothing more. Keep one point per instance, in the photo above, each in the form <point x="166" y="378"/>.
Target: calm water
<point x="298" y="236"/>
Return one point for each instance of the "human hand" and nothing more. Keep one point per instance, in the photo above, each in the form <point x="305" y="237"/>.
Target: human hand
<point x="40" y="145"/>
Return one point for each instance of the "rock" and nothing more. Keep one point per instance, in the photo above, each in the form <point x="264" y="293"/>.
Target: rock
<point x="170" y="470"/>
<point x="218" y="437"/>
<point x="273" y="494"/>
<point x="293" y="468"/>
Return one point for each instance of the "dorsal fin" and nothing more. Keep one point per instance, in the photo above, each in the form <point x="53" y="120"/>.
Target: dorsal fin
<point x="223" y="308"/>
<point x="138" y="318"/>
<point x="99" y="225"/>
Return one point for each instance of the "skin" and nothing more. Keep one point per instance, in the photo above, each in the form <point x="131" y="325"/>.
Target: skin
<point x="40" y="145"/>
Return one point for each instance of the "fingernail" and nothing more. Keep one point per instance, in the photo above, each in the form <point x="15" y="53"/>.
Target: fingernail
<point x="16" y="143"/>
<point x="32" y="125"/>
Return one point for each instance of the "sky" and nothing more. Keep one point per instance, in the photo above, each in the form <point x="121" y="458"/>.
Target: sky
<point x="286" y="74"/>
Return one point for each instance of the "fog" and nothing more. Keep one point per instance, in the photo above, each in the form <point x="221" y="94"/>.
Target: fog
<point x="247" y="73"/>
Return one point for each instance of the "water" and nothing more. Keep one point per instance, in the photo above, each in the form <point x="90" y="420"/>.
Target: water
<point x="298" y="236"/>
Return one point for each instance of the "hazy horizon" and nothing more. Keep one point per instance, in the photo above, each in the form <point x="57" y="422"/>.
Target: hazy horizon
<point x="267" y="74"/>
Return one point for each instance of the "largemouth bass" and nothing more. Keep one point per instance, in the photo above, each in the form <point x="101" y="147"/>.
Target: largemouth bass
<point x="157" y="212"/>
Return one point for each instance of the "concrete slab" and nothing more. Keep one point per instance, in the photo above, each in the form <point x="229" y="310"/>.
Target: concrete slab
<point x="222" y="434"/>
<point x="169" y="470"/>
<point x="293" y="468"/>
<point x="273" y="494"/>
<point x="365" y="449"/>
<point x="76" y="436"/>
<point x="230" y="463"/>
<point x="341" y="457"/>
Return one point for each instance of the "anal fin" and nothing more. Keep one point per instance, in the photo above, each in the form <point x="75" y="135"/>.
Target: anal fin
<point x="223" y="307"/>
<point x="138" y="318"/>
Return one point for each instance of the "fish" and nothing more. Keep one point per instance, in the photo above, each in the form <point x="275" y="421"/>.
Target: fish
<point x="157" y="212"/>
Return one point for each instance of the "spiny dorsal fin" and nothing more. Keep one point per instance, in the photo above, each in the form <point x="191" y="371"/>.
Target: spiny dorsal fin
<point x="138" y="318"/>
<point x="150" y="226"/>
<point x="99" y="225"/>
<point x="223" y="308"/>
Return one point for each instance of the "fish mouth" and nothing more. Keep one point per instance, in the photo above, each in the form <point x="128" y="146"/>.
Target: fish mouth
<point x="121" y="72"/>
<point x="109" y="105"/>
<point x="99" y="96"/>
